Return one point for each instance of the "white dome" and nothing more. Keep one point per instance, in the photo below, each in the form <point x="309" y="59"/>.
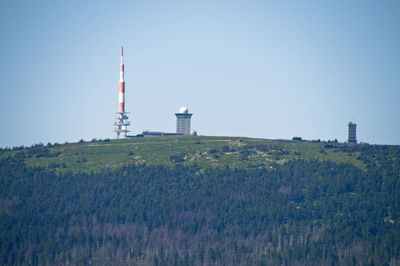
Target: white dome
<point x="193" y="133"/>
<point x="183" y="110"/>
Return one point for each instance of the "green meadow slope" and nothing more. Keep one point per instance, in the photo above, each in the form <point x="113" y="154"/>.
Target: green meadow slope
<point x="203" y="151"/>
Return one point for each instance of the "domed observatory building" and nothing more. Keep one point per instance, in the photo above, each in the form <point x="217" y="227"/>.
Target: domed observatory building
<point x="183" y="121"/>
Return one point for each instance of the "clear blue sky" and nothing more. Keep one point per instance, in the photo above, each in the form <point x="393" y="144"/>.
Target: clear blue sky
<point x="268" y="69"/>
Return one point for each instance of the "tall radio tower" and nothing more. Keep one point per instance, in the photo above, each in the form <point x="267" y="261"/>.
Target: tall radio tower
<point x="122" y="119"/>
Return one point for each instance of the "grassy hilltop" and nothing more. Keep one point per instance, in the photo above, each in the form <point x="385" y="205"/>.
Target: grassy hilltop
<point x="204" y="151"/>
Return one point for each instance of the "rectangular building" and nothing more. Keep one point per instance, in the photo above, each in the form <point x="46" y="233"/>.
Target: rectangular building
<point x="183" y="123"/>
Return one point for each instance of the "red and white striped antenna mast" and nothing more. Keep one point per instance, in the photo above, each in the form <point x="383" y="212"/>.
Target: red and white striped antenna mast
<point x="122" y="119"/>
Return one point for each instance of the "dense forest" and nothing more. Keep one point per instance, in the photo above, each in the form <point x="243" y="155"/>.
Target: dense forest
<point x="301" y="212"/>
